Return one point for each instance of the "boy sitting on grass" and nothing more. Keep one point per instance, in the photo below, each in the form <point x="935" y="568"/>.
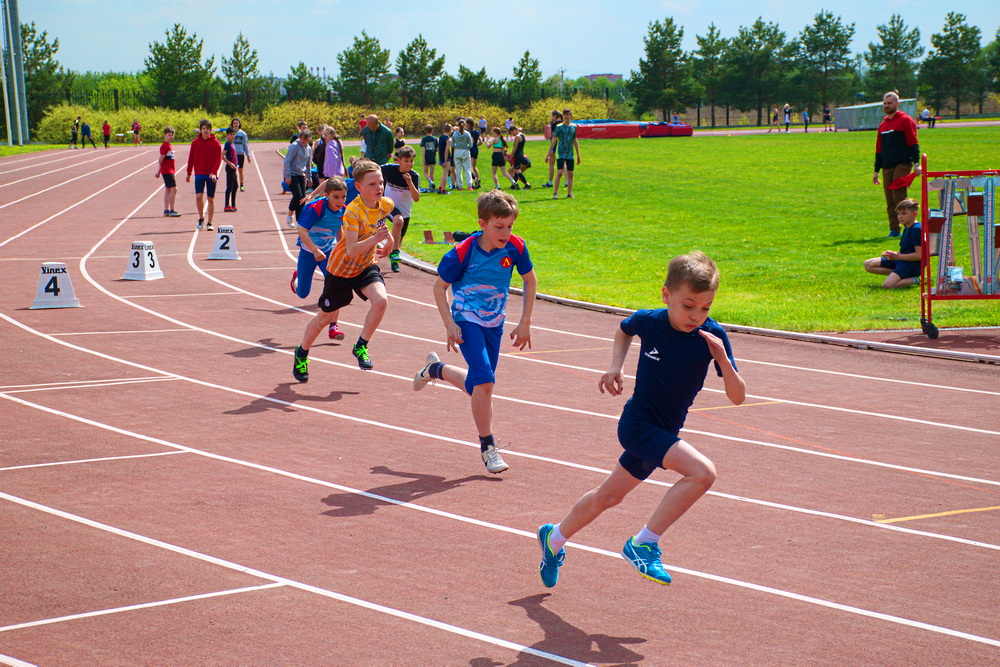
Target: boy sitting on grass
<point x="902" y="268"/>
<point x="478" y="270"/>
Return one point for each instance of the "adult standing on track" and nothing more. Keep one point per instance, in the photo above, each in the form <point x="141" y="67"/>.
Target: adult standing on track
<point x="298" y="164"/>
<point x="896" y="154"/>
<point x="242" y="145"/>
<point x="378" y="140"/>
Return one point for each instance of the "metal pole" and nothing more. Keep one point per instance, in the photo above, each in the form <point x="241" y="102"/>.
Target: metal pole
<point x="6" y="103"/>
<point x="16" y="56"/>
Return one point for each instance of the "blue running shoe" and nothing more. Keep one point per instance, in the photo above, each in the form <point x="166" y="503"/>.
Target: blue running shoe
<point x="645" y="558"/>
<point x="548" y="569"/>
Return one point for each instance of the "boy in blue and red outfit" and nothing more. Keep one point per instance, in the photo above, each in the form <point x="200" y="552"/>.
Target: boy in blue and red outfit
<point x="678" y="343"/>
<point x="479" y="270"/>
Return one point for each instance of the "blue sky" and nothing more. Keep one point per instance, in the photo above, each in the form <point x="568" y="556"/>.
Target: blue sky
<point x="584" y="37"/>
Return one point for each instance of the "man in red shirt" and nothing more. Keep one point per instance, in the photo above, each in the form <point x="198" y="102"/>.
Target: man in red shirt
<point x="896" y="154"/>
<point x="204" y="160"/>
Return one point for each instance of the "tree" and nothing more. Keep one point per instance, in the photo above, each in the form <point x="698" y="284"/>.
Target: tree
<point x="665" y="79"/>
<point x="991" y="56"/>
<point x="470" y="85"/>
<point x="45" y="81"/>
<point x="892" y="64"/>
<point x="243" y="78"/>
<point x="824" y="57"/>
<point x="302" y="84"/>
<point x="756" y="60"/>
<point x="178" y="74"/>
<point x="418" y="70"/>
<point x="364" y="70"/>
<point x="708" y="64"/>
<point x="949" y="69"/>
<point x="527" y="81"/>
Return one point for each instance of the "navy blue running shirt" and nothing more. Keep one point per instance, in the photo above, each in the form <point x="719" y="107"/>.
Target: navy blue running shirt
<point x="672" y="368"/>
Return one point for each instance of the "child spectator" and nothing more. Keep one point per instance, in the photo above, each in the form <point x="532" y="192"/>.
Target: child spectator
<point x="564" y="135"/>
<point x="353" y="267"/>
<point x="827" y="119"/>
<point x="677" y="345"/>
<point x="429" y="145"/>
<point x="319" y="230"/>
<point x="477" y="138"/>
<point x="137" y="129"/>
<point x="444" y="153"/>
<point x="242" y="144"/>
<point x="805" y="118"/>
<point x="85" y="135"/>
<point x="461" y="141"/>
<point x="402" y="186"/>
<point x="297" y="167"/>
<point x="204" y="159"/>
<point x="167" y="168"/>
<point x="499" y="159"/>
<point x="902" y="268"/>
<point x="106" y="128"/>
<point x="300" y="127"/>
<point x="507" y="125"/>
<point x="74" y="132"/>
<point x="520" y="162"/>
<point x="555" y="118"/>
<point x="318" y="157"/>
<point x="788" y="117"/>
<point x="478" y="271"/>
<point x="333" y="162"/>
<point x="232" y="162"/>
<point x="398" y="140"/>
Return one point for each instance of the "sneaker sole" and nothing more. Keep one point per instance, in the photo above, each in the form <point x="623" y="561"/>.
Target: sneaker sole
<point x="337" y="336"/>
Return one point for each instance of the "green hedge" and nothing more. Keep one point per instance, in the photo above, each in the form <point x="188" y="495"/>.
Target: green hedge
<point x="278" y="122"/>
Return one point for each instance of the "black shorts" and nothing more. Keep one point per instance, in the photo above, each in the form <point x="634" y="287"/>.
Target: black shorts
<point x="429" y="157"/>
<point x="474" y="152"/>
<point x="565" y="163"/>
<point x="339" y="292"/>
<point x="240" y="159"/>
<point x="521" y="162"/>
<point x="169" y="181"/>
<point x="498" y="160"/>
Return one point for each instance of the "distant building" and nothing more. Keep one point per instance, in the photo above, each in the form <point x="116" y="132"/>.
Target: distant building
<point x="610" y="77"/>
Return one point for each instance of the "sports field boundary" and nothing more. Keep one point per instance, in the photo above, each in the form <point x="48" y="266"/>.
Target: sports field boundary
<point x="758" y="331"/>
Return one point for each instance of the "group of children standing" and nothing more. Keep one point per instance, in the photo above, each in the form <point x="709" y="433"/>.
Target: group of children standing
<point x="205" y="158"/>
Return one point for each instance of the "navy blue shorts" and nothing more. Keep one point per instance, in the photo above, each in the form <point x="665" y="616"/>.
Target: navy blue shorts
<point x="481" y="349"/>
<point x="202" y="183"/>
<point x="645" y="446"/>
<point x="901" y="268"/>
<point x="565" y="163"/>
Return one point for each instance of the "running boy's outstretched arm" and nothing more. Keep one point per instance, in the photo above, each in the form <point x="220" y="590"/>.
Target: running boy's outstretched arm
<point x="735" y="386"/>
<point x="613" y="380"/>
<point x="444" y="309"/>
<point x="521" y="335"/>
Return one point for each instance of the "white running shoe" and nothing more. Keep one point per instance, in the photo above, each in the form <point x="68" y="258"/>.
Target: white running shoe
<point x="290" y="221"/>
<point x="423" y="378"/>
<point x="494" y="464"/>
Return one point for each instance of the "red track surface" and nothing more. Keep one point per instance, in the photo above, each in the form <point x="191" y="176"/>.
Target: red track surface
<point x="169" y="494"/>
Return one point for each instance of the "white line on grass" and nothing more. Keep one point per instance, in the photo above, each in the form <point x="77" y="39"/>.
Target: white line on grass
<point x="485" y="524"/>
<point x="278" y="580"/>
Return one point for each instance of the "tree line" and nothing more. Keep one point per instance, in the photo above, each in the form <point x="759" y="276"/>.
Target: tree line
<point x="758" y="66"/>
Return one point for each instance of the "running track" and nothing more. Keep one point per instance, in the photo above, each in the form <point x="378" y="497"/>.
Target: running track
<point x="169" y="495"/>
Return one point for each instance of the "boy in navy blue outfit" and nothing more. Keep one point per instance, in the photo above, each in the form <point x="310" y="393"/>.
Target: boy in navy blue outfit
<point x="479" y="270"/>
<point x="902" y="268"/>
<point x="677" y="344"/>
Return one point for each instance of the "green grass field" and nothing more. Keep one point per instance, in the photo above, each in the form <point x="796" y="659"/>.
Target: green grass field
<point x="789" y="218"/>
<point x="30" y="148"/>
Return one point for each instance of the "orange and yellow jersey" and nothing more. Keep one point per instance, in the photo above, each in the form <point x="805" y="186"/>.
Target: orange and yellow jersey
<point x="365" y="221"/>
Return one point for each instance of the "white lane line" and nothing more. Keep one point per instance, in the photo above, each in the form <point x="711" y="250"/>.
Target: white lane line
<point x="14" y="662"/>
<point x="447" y="627"/>
<point x="96" y="460"/>
<point x="164" y="296"/>
<point x="46" y="173"/>
<point x="68" y="208"/>
<point x="516" y="531"/>
<point x="91" y="385"/>
<point x="72" y="382"/>
<point x="136" y="607"/>
<point x="41" y="164"/>
<point x="118" y="333"/>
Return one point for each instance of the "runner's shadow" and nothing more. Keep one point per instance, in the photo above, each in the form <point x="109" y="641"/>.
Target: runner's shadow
<point x="283" y="392"/>
<point x="254" y="352"/>
<point x="568" y="641"/>
<point x="420" y="486"/>
<point x="285" y="311"/>
<point x="862" y="241"/>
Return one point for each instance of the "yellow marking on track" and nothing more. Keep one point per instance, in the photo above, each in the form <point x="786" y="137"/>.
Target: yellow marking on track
<point x="742" y="405"/>
<point x="582" y="349"/>
<point x="931" y="516"/>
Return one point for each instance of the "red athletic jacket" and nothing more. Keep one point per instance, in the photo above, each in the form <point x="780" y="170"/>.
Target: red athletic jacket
<point x="205" y="156"/>
<point x="896" y="142"/>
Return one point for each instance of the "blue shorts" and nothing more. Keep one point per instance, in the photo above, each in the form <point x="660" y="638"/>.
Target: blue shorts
<point x="481" y="349"/>
<point x="306" y="268"/>
<point x="645" y="446"/>
<point x="901" y="268"/>
<point x="202" y="183"/>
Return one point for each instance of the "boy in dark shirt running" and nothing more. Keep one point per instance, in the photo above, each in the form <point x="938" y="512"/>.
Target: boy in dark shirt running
<point x="677" y="344"/>
<point x="402" y="186"/>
